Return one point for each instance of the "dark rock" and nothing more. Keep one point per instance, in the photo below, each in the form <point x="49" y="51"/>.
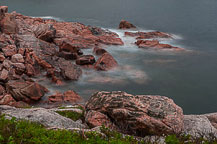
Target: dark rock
<point x="85" y="60"/>
<point x="99" y="51"/>
<point x="126" y="25"/>
<point x="68" y="55"/>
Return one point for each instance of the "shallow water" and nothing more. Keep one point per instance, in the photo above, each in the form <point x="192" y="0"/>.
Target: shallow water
<point x="189" y="78"/>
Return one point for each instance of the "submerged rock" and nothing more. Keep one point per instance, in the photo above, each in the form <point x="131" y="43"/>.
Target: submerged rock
<point x="140" y="114"/>
<point x="148" y="35"/>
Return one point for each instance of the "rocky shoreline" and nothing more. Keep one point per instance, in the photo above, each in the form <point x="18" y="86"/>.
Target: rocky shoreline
<point x="32" y="48"/>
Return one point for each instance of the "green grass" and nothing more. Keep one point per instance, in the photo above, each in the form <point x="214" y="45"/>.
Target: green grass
<point x="24" y="132"/>
<point x="71" y="114"/>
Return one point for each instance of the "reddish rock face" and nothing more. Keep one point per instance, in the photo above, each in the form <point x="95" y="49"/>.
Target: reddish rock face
<point x="30" y="70"/>
<point x="85" y="60"/>
<point x="8" y="24"/>
<point x="155" y="44"/>
<point x="3" y="10"/>
<point x="99" y="51"/>
<point x="126" y="25"/>
<point x="95" y="119"/>
<point x="4" y="75"/>
<point x="68" y="96"/>
<point x="148" y="35"/>
<point x="25" y="91"/>
<point x="108" y="40"/>
<point x="45" y="32"/>
<point x="105" y="62"/>
<point x="138" y="115"/>
<point x="2" y="90"/>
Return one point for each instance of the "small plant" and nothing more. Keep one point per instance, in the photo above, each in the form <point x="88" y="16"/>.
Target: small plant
<point x="71" y="114"/>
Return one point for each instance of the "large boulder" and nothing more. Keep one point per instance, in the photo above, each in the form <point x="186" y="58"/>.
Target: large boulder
<point x="106" y="62"/>
<point x="3" y="10"/>
<point x="43" y="116"/>
<point x="8" y="24"/>
<point x="140" y="114"/>
<point x="126" y="25"/>
<point x="26" y="91"/>
<point x="17" y="58"/>
<point x="45" y="32"/>
<point x="199" y="125"/>
<point x="212" y="118"/>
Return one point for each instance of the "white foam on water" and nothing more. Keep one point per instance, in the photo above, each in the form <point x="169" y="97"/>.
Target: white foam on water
<point x="49" y="17"/>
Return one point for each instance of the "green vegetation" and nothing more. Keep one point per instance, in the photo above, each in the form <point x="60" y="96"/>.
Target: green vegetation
<point x="71" y="114"/>
<point x="24" y="132"/>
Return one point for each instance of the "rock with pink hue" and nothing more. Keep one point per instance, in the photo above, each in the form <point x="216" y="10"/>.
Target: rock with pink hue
<point x="126" y="25"/>
<point x="9" y="50"/>
<point x="85" y="60"/>
<point x="155" y="44"/>
<point x="25" y="91"/>
<point x="17" y="58"/>
<point x="99" y="51"/>
<point x="140" y="114"/>
<point x="19" y="68"/>
<point x="2" y="58"/>
<point x="95" y="119"/>
<point x="45" y="32"/>
<point x="68" y="96"/>
<point x="105" y="62"/>
<point x="4" y="75"/>
<point x="30" y="70"/>
<point x="148" y="35"/>
<point x="8" y="24"/>
<point x="108" y="40"/>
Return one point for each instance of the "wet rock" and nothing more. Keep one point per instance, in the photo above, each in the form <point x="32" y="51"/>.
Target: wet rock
<point x="126" y="25"/>
<point x="45" y="32"/>
<point x="68" y="55"/>
<point x="68" y="47"/>
<point x="46" y="117"/>
<point x="108" y="40"/>
<point x="99" y="31"/>
<point x="155" y="44"/>
<point x="105" y="62"/>
<point x="148" y="35"/>
<point x="30" y="70"/>
<point x="4" y="75"/>
<point x="140" y="114"/>
<point x="68" y="96"/>
<point x="198" y="125"/>
<point x="95" y="119"/>
<point x="9" y="50"/>
<point x="26" y="91"/>
<point x="69" y="71"/>
<point x="99" y="51"/>
<point x="8" y="24"/>
<point x="17" y="58"/>
<point x="85" y="60"/>
<point x="2" y="58"/>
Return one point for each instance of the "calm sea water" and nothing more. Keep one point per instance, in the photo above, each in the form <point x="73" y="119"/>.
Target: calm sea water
<point x="189" y="78"/>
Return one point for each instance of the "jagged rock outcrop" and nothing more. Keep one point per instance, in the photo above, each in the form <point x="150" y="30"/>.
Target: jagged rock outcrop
<point x="138" y="115"/>
<point x="105" y="62"/>
<point x="126" y="25"/>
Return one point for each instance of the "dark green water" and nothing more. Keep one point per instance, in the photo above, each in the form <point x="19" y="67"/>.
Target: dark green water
<point x="189" y="78"/>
